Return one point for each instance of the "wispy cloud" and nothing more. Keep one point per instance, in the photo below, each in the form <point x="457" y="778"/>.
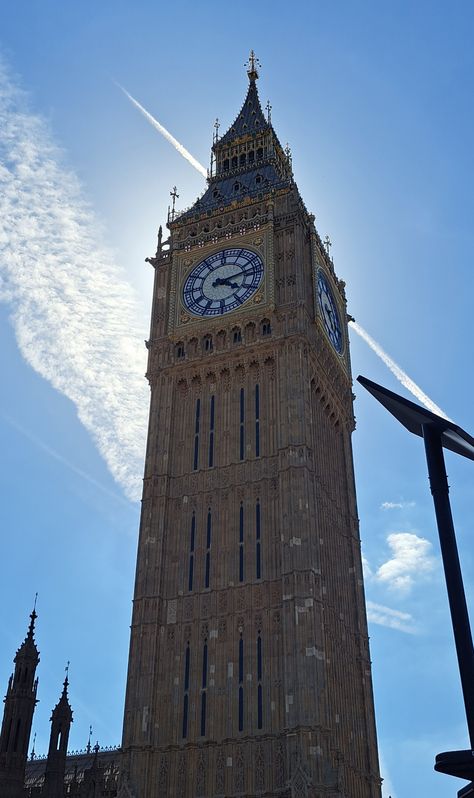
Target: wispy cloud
<point x="411" y="558"/>
<point x="393" y="619"/>
<point x="396" y="505"/>
<point x="76" y="319"/>
<point x="164" y="132"/>
<point x="401" y="375"/>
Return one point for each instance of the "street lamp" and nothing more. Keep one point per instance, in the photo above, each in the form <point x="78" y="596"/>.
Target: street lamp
<point x="439" y="433"/>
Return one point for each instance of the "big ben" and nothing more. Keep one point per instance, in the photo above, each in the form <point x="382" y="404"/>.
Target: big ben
<point x="249" y="670"/>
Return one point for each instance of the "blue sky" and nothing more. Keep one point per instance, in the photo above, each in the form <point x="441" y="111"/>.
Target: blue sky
<point x="376" y="103"/>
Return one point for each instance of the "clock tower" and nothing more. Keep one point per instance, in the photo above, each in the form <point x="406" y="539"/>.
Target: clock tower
<point x="249" y="670"/>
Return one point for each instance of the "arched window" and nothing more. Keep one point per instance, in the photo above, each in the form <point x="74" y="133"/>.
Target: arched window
<point x="226" y="164"/>
<point x="242" y="159"/>
<point x="251" y="156"/>
<point x="259" y="153"/>
<point x="265" y="327"/>
<point x="211" y="432"/>
<point x="207" y="343"/>
<point x="179" y="350"/>
<point x="234" y="162"/>
<point x="237" y="335"/>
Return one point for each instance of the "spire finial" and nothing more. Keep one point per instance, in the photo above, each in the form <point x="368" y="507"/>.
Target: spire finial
<point x="268" y="109"/>
<point x="33" y="752"/>
<point x="88" y="746"/>
<point x="66" y="680"/>
<point x="174" y="196"/>
<point x="33" y="617"/>
<point x="252" y="65"/>
<point x="328" y="244"/>
<point x="217" y="125"/>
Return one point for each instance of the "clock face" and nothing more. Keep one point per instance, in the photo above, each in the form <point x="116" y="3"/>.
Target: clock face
<point x="222" y="282"/>
<point x="329" y="313"/>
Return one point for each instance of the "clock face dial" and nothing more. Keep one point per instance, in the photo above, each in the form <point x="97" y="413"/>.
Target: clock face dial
<point x="329" y="313"/>
<point x="222" y="282"/>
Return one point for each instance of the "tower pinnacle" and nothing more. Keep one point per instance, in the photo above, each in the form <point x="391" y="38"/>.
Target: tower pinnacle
<point x="251" y="65"/>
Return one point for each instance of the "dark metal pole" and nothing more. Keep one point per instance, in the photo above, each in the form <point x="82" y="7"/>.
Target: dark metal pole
<point x="452" y="569"/>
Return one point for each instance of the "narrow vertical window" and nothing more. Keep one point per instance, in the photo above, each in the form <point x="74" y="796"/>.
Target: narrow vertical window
<point x="258" y="545"/>
<point x="185" y="716"/>
<point x="208" y="549"/>
<point x="191" y="553"/>
<point x="241" y="543"/>
<point x="241" y="684"/>
<point x="259" y="683"/>
<point x="204" y="690"/>
<point x="187" y="662"/>
<point x="196" y="434"/>
<point x="203" y="714"/>
<point x="257" y="421"/>
<point x="242" y="420"/>
<point x="204" y="666"/>
<point x="211" y="434"/>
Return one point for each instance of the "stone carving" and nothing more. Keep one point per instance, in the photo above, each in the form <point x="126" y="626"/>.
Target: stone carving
<point x="220" y="774"/>
<point x="201" y="778"/>
<point x="181" y="775"/>
<point x="280" y="767"/>
<point x="259" y="769"/>
<point x="239" y="775"/>
<point x="163" y="776"/>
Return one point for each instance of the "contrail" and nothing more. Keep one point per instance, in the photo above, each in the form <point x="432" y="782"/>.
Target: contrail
<point x="159" y="127"/>
<point x="401" y="375"/>
<point x="56" y="456"/>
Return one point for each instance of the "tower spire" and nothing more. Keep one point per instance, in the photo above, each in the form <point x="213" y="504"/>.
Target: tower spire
<point x="20" y="702"/>
<point x="252" y="64"/>
<point x="61" y="719"/>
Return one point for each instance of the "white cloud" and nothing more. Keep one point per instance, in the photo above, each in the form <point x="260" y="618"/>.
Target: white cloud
<point x="387" y="786"/>
<point x="411" y="558"/>
<point x="76" y="319"/>
<point x="396" y="505"/>
<point x="393" y="619"/>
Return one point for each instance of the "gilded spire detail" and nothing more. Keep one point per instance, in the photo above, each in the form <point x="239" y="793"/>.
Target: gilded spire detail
<point x="252" y="64"/>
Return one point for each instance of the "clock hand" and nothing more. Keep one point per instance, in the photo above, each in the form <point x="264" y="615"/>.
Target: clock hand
<point x="238" y="274"/>
<point x="224" y="281"/>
